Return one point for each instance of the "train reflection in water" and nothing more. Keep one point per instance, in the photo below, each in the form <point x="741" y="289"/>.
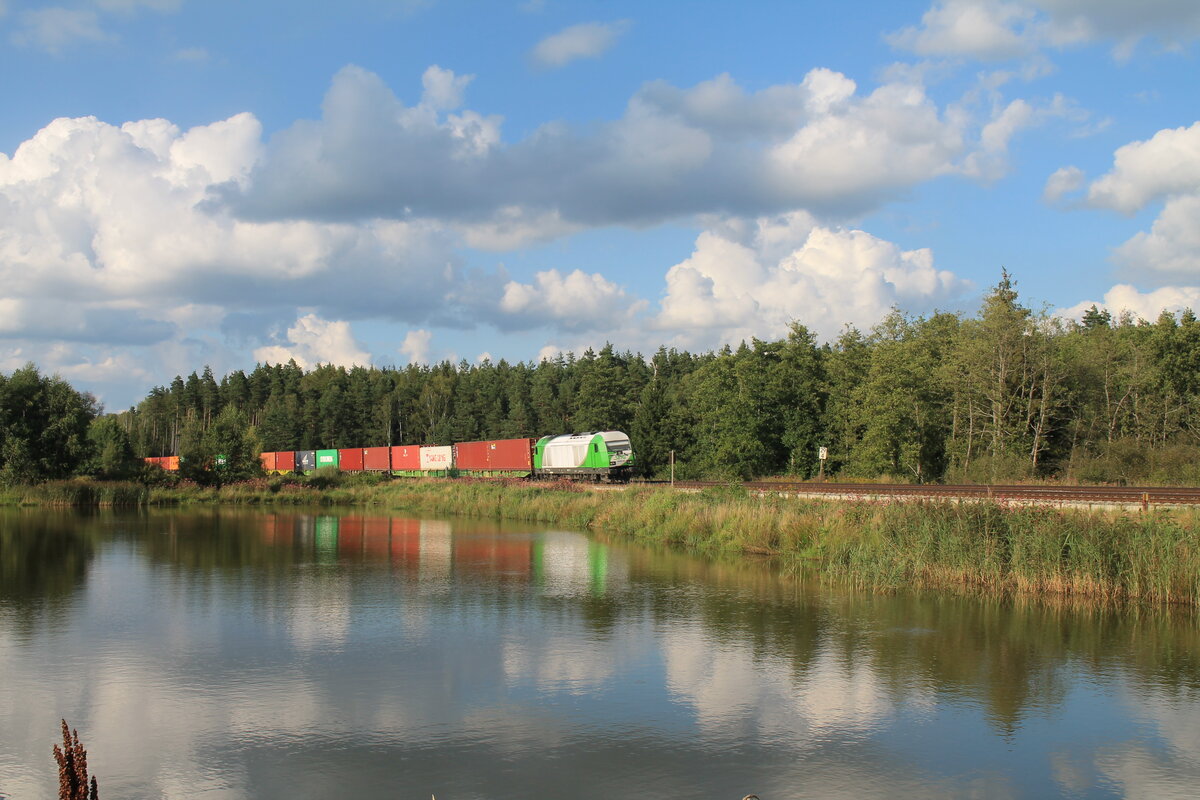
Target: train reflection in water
<point x="559" y="563"/>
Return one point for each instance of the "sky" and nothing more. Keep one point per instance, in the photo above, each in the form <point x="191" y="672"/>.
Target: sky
<point x="224" y="183"/>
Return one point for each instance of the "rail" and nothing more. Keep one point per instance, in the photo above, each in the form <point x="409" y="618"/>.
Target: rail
<point x="1144" y="496"/>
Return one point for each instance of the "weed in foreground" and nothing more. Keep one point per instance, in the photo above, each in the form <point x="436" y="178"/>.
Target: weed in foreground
<point x="73" y="783"/>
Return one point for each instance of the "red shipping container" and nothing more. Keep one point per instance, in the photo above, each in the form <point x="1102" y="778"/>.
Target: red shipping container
<point x="471" y="455"/>
<point x="406" y="457"/>
<point x="376" y="458"/>
<point x="285" y="461"/>
<point x="350" y="460"/>
<point x="268" y="461"/>
<point x="511" y="454"/>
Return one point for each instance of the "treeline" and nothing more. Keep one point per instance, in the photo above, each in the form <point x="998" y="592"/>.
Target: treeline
<point x="1007" y="394"/>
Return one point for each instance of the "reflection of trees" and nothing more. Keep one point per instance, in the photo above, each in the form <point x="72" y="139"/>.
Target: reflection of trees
<point x="1010" y="656"/>
<point x="44" y="559"/>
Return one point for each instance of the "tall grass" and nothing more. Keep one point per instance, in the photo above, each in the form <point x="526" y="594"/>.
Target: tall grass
<point x="1153" y="556"/>
<point x="77" y="493"/>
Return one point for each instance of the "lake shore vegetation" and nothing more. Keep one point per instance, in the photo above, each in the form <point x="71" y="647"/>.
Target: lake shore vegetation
<point x="983" y="546"/>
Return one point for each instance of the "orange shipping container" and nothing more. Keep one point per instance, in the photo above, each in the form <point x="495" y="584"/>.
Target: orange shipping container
<point x="268" y="461"/>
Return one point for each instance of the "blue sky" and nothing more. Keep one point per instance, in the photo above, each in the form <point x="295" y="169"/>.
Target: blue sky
<point x="221" y="183"/>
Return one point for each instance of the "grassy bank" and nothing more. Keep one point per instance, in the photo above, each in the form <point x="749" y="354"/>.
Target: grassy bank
<point x="1152" y="556"/>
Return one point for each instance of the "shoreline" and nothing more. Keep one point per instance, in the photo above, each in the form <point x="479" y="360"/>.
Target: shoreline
<point x="1151" y="556"/>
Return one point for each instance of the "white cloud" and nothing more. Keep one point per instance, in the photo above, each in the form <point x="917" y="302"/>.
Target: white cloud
<point x="980" y="29"/>
<point x="416" y="346"/>
<point x="443" y="89"/>
<point x="313" y="341"/>
<point x="93" y="213"/>
<point x="711" y="149"/>
<point x="53" y="29"/>
<point x="573" y="302"/>
<point x="586" y="40"/>
<point x="1063" y="181"/>
<point x="1124" y="298"/>
<point x="735" y="287"/>
<point x="1165" y="168"/>
<point x="1003" y="29"/>
<point x="1168" y="163"/>
<point x="1171" y="250"/>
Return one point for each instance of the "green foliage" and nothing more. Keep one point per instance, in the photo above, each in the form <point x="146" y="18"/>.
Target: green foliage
<point x="112" y="452"/>
<point x="43" y="427"/>
<point x="1008" y="394"/>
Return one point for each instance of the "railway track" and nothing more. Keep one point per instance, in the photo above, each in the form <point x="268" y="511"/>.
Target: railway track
<point x="1144" y="496"/>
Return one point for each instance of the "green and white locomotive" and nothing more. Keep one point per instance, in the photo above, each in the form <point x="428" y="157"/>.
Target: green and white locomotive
<point x="600" y="455"/>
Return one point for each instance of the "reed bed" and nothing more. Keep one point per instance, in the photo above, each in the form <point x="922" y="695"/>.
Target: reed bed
<point x="77" y="493"/>
<point x="1152" y="556"/>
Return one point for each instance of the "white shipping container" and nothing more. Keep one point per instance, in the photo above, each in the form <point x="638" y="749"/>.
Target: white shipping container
<point x="437" y="458"/>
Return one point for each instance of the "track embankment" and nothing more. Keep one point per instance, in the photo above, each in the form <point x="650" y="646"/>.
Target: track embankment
<point x="1116" y="497"/>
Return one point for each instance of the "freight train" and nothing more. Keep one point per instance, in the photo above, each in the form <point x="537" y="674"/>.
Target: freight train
<point x="596" y="455"/>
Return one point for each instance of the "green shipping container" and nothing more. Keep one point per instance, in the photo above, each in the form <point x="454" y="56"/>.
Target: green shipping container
<point x="327" y="458"/>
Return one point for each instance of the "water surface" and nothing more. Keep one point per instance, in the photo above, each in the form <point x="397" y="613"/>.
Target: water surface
<point x="242" y="655"/>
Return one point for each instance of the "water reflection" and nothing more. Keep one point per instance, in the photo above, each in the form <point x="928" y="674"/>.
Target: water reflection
<point x="259" y="655"/>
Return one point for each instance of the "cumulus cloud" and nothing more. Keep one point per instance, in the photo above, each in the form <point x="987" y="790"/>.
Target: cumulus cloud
<point x="1167" y="163"/>
<point x="416" y="346"/>
<point x="93" y="213"/>
<point x="1004" y="29"/>
<point x="747" y="281"/>
<point x="443" y="89"/>
<point x="313" y="341"/>
<point x="711" y="149"/>
<point x="1171" y="249"/>
<point x="573" y="302"/>
<point x="1166" y="168"/>
<point x="1063" y="181"/>
<point x="1126" y="299"/>
<point x="586" y="40"/>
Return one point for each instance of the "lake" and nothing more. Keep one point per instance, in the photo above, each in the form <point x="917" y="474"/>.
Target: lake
<point x="227" y="654"/>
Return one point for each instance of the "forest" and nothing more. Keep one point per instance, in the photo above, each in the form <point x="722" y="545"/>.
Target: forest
<point x="1007" y="394"/>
